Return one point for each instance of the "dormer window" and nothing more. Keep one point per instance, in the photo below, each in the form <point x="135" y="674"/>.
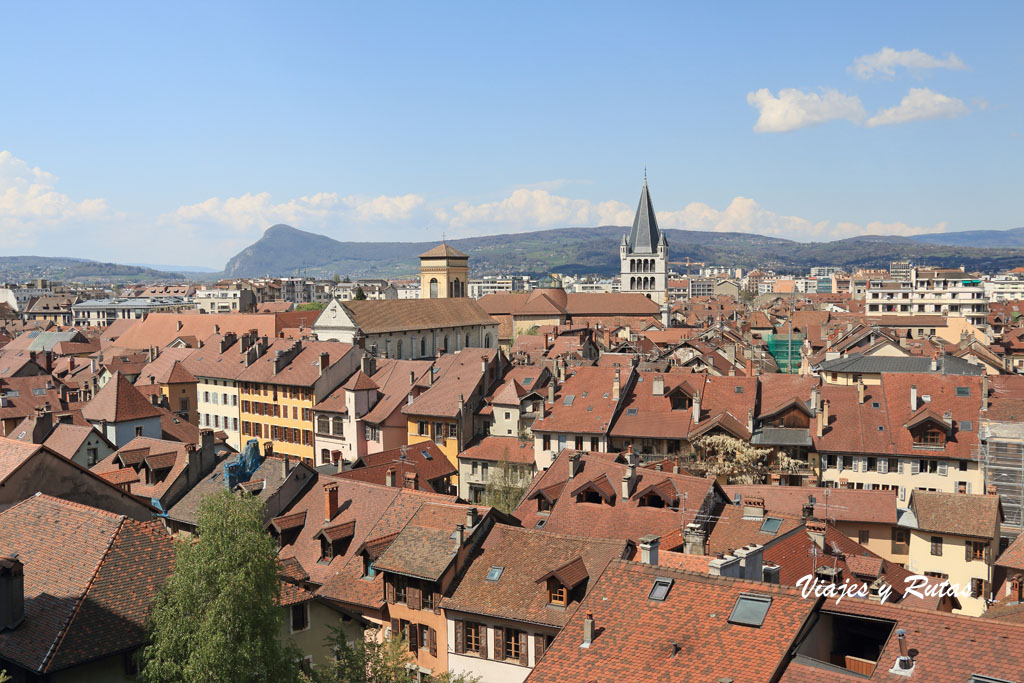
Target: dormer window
<point x="651" y="500"/>
<point x="680" y="401"/>
<point x="589" y="497"/>
<point x="929" y="436"/>
<point x="557" y="593"/>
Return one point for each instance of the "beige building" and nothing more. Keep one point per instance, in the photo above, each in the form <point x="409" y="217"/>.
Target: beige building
<point x="444" y="273"/>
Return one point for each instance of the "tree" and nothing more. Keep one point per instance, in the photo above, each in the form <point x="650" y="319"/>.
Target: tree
<point x="374" y="660"/>
<point x="311" y="306"/>
<point x="506" y="487"/>
<point x="738" y="461"/>
<point x="337" y="278"/>
<point x="359" y="295"/>
<point x="218" y="617"/>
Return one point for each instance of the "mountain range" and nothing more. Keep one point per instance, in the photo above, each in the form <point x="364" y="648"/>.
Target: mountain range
<point x="284" y="250"/>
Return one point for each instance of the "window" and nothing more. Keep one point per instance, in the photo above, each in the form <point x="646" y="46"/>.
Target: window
<point x="659" y="591"/>
<point x="937" y="546"/>
<point x="557" y="594"/>
<point x="323" y="424"/>
<point x="977" y="588"/>
<point x="976" y="550"/>
<point x="300" y="617"/>
<point x="473" y="632"/>
<point x="512" y="650"/>
<point x="966" y="426"/>
<point x="453" y="431"/>
<point x="138" y="431"/>
<point x="594" y="441"/>
<point x="579" y="443"/>
<point x="930" y="437"/>
<point x="93" y="455"/>
<point x="494" y="573"/>
<point x="750" y="609"/>
<point x="963" y="391"/>
<point x="863" y="536"/>
<point x="483" y="471"/>
<point x="771" y="525"/>
<point x="546" y="440"/>
<point x="738" y="389"/>
<point x="401" y="589"/>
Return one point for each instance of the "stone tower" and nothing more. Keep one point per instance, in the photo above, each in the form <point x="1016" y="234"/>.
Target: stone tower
<point x="444" y="273"/>
<point x="644" y="254"/>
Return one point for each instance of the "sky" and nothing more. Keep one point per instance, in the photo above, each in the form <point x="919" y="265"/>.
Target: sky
<point x="176" y="133"/>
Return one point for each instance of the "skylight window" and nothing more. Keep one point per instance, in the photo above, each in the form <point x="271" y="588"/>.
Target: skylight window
<point x="631" y="411"/>
<point x="963" y="391"/>
<point x="750" y="609"/>
<point x="739" y="390"/>
<point x="494" y="573"/>
<point x="39" y="391"/>
<point x="527" y="381"/>
<point x="966" y="426"/>
<point x="876" y="404"/>
<point x="771" y="525"/>
<point x="569" y="399"/>
<point x="13" y="393"/>
<point x="583" y="395"/>
<point x="426" y="455"/>
<point x="659" y="591"/>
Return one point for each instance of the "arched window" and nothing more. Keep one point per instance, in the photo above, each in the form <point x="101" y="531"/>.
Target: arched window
<point x="632" y="265"/>
<point x="398" y="351"/>
<point x="423" y="346"/>
<point x="487" y="341"/>
<point x="433" y="288"/>
<point x="446" y="349"/>
<point x="467" y="340"/>
<point x="456" y="288"/>
<point x="632" y="283"/>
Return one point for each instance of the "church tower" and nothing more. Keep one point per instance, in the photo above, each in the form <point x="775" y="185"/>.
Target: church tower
<point x="644" y="254"/>
<point x="444" y="273"/>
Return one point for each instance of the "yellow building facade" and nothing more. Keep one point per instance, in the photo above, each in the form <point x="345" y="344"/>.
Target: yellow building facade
<point x="279" y="413"/>
<point x="444" y="273"/>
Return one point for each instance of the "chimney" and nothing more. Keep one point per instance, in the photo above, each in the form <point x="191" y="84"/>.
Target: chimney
<point x="551" y="390"/>
<point x="935" y="361"/>
<point x="195" y="463"/>
<point x="462" y="404"/>
<point x="658" y="386"/>
<point x="753" y="507"/>
<point x="984" y="391"/>
<point x="825" y="407"/>
<point x="179" y="326"/>
<point x="325" y="362"/>
<point x="807" y="509"/>
<point x="696" y="407"/>
<point x="649" y="549"/>
<point x="12" y="592"/>
<point x="904" y="663"/>
<point x="770" y="572"/>
<point x="330" y="501"/>
<point x="726" y="564"/>
<point x="368" y="364"/>
<point x="389" y="477"/>
<point x="412" y="378"/>
<point x="991" y="490"/>
<point x="860" y="391"/>
<point x="93" y="365"/>
<point x="42" y="425"/>
<point x="71" y="363"/>
<point x="913" y="397"/>
<point x="588" y="630"/>
<point x="268" y="449"/>
<point x="460" y="536"/>
<point x="631" y="457"/>
<point x="411" y="481"/>
<point x="814" y="399"/>
<point x="750" y="420"/>
<point x="471" y="519"/>
<point x="750" y="557"/>
<point x="819" y="426"/>
<point x="627" y="481"/>
<point x="947" y="417"/>
<point x="615" y="385"/>
<point x="693" y="539"/>
<point x="574" y="462"/>
<point x="816" y="530"/>
<point x="286" y="464"/>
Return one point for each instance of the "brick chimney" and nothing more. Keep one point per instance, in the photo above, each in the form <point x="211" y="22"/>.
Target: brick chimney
<point x="860" y="391"/>
<point x="411" y="480"/>
<point x="658" y="385"/>
<point x="325" y="362"/>
<point x="616" y="385"/>
<point x="12" y="592"/>
<point x="649" y="549"/>
<point x="816" y="530"/>
<point x="753" y="507"/>
<point x="330" y="501"/>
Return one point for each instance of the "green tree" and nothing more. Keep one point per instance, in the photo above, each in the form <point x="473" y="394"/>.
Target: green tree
<point x="373" y="660"/>
<point x="218" y="617"/>
<point x="359" y="295"/>
<point x="506" y="486"/>
<point x="311" y="306"/>
<point x="337" y="278"/>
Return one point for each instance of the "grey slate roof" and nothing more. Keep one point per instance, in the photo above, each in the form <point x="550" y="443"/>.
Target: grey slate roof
<point x="781" y="436"/>
<point x="645" y="236"/>
<point x="946" y="365"/>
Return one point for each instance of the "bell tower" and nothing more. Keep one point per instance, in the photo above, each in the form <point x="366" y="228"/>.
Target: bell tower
<point x="444" y="273"/>
<point x="644" y="254"/>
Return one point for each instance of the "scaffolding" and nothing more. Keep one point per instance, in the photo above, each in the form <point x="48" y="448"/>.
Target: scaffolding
<point x="1001" y="449"/>
<point x="785" y="349"/>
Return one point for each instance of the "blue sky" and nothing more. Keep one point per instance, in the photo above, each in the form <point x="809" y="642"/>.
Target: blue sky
<point x="177" y="132"/>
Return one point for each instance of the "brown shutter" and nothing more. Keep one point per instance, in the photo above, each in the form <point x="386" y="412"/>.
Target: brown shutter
<point x="414" y="637"/>
<point x="415" y="597"/>
<point x="524" y="648"/>
<point x="499" y="644"/>
<point x="483" y="640"/>
<point x="389" y="591"/>
<point x="460" y="637"/>
<point x="396" y="629"/>
<point x="968" y="548"/>
<point x="432" y="641"/>
<point x="437" y="602"/>
<point x="538" y="647"/>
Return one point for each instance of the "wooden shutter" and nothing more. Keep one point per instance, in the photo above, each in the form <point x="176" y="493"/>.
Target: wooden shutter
<point x="915" y="466"/>
<point x="538" y="647"/>
<point x="524" y="648"/>
<point x="483" y="640"/>
<point x="943" y="468"/>
<point x="460" y="637"/>
<point x="432" y="641"/>
<point x="883" y="465"/>
<point x="389" y="591"/>
<point x="414" y="637"/>
<point x="396" y="631"/>
<point x="499" y="644"/>
<point x="415" y="597"/>
<point x="899" y="467"/>
<point x="437" y="602"/>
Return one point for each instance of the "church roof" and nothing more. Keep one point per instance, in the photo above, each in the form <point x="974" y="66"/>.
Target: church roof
<point x="645" y="237"/>
<point x="443" y="251"/>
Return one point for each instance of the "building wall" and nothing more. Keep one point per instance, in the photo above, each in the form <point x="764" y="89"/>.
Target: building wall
<point x="492" y="668"/>
<point x="175" y="393"/>
<point x="449" y="444"/>
<point x="121" y="433"/>
<point x="105" y="670"/>
<point x="906" y="482"/>
<point x="879" y="539"/>
<point x="544" y="456"/>
<point x="952" y="562"/>
<point x="311" y="641"/>
<point x="217" y="403"/>
<point x="295" y="411"/>
<point x="96" y="442"/>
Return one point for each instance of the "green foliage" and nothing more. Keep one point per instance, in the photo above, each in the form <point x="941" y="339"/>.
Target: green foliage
<point x="337" y="278"/>
<point x="359" y="295"/>
<point x="311" y="306"/>
<point x="532" y="330"/>
<point x="218" y="617"/>
<point x="374" y="660"/>
<point x="506" y="486"/>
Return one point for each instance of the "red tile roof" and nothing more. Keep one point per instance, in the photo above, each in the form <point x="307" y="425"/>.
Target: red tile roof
<point x="118" y="401"/>
<point x="963" y="514"/>
<point x="842" y="505"/>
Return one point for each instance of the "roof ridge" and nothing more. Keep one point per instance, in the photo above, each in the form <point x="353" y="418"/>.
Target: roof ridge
<point x="62" y="634"/>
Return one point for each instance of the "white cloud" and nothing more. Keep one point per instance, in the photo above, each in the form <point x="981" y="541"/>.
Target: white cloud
<point x="794" y="109"/>
<point x="884" y="62"/>
<point x="536" y="208"/>
<point x="918" y="105"/>
<point x="30" y="203"/>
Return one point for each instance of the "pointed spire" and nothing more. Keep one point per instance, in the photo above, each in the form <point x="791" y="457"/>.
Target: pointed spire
<point x="645" y="236"/>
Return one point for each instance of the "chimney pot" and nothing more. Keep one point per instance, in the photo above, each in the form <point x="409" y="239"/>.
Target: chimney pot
<point x="649" y="549"/>
<point x="460" y="536"/>
<point x="471" y="518"/>
<point x="330" y="501"/>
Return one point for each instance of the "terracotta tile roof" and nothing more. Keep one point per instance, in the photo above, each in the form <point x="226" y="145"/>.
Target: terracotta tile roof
<point x="583" y="403"/>
<point x="338" y="531"/>
<point x="463" y="375"/>
<point x="13" y="454"/>
<point x="1013" y="556"/>
<point x="156" y="454"/>
<point x="303" y="369"/>
<point x="841" y="505"/>
<point x="209" y="361"/>
<point x="160" y="329"/>
<point x="498" y="448"/>
<point x="90" y="578"/>
<point x="686" y="637"/>
<point x="523" y="554"/>
<point x="570" y="574"/>
<point x="732" y="530"/>
<point x="962" y="514"/>
<point x="167" y="368"/>
<point x="393" y="315"/>
<point x="395" y="379"/>
<point x="360" y="382"/>
<point x="27" y="394"/>
<point x="119" y="401"/>
<point x="425" y="459"/>
<point x="425" y="548"/>
<point x="293" y="520"/>
<point x="863" y="565"/>
<point x="690" y="563"/>
<point x="443" y="250"/>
